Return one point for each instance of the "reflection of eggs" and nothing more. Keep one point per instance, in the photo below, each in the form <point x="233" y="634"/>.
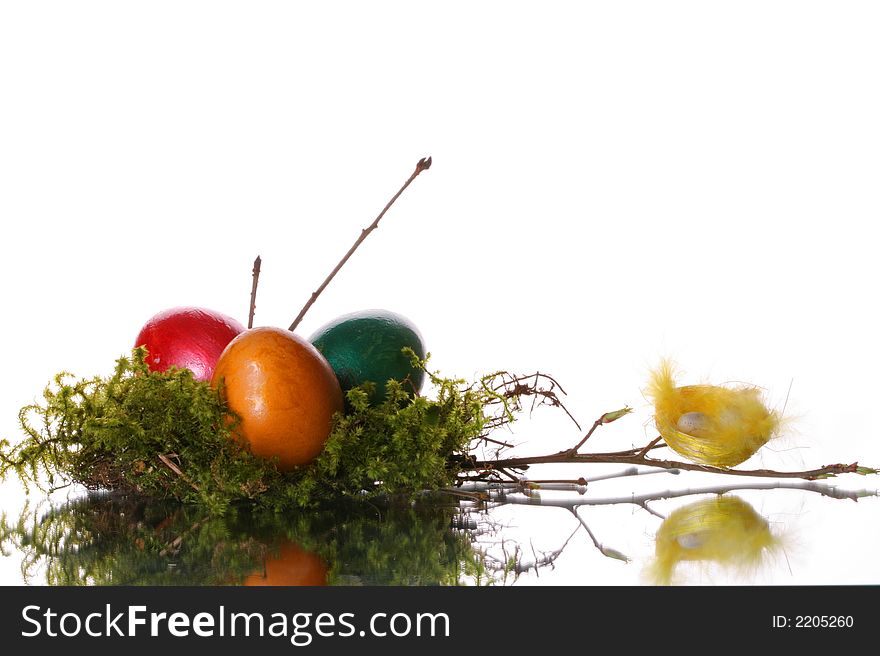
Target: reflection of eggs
<point x="284" y="392"/>
<point x="710" y="424"/>
<point x="367" y="346"/>
<point x="188" y="338"/>
<point x="290" y="565"/>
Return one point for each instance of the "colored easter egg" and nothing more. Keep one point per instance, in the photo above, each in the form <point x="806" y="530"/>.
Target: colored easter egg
<point x="187" y="337"/>
<point x="284" y="392"/>
<point x="367" y="346"/>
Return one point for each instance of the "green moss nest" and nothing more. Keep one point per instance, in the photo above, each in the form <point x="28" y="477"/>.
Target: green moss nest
<point x="165" y="435"/>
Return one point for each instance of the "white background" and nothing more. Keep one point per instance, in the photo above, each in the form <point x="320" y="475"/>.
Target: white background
<point x="613" y="182"/>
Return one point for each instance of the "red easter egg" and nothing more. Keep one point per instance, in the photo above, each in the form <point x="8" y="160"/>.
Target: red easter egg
<point x="187" y="337"/>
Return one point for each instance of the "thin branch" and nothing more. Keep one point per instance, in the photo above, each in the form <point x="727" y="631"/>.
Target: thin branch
<point x="651" y="445"/>
<point x="507" y="390"/>
<point x="489" y="440"/>
<point x="174" y="468"/>
<point x="423" y="165"/>
<point x="629" y="458"/>
<point x="257" y="263"/>
<point x="578" y="485"/>
<point x="607" y="418"/>
<point x="593" y="428"/>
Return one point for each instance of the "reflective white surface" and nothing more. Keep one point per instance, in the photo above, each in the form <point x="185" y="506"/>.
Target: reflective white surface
<point x="611" y="184"/>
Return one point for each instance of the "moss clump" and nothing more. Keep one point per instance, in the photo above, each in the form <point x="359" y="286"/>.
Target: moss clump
<point x="166" y="435"/>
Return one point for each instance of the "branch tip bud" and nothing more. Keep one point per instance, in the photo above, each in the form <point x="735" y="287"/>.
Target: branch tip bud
<point x="608" y="417"/>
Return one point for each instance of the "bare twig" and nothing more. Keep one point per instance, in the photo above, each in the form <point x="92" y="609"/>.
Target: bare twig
<point x="503" y="393"/>
<point x="528" y="486"/>
<point x="651" y="445"/>
<point x="168" y="463"/>
<point x="607" y="418"/>
<point x="257" y="263"/>
<point x="629" y="458"/>
<point x="423" y="165"/>
<point x="593" y="428"/>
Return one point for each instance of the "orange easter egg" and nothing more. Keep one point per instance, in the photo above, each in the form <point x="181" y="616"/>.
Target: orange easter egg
<point x="284" y="391"/>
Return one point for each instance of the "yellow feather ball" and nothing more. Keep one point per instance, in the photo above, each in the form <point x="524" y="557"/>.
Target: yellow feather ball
<point x="710" y="424"/>
<point x="722" y="530"/>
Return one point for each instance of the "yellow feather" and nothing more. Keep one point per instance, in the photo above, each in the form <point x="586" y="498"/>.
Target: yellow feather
<point x="724" y="530"/>
<point x="710" y="424"/>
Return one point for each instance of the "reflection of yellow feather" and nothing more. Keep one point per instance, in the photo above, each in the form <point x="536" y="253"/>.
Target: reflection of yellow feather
<point x="724" y="530"/>
<point x="710" y="424"/>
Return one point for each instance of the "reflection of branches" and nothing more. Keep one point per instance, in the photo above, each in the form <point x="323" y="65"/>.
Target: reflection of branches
<point x="502" y="497"/>
<point x="605" y="551"/>
<point x="172" y="547"/>
<point x="512" y="562"/>
<point x="496" y="494"/>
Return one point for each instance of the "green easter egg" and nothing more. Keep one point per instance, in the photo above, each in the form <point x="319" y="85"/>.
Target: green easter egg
<point x="367" y="346"/>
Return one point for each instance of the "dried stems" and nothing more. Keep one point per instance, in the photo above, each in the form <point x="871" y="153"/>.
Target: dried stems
<point x="503" y="394"/>
<point x="507" y="390"/>
<point x="423" y="165"/>
<point x="638" y="456"/>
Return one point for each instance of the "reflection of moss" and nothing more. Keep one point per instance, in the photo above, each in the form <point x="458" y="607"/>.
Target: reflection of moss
<point x="724" y="530"/>
<point x="395" y="546"/>
<point x="104" y="540"/>
<point x="123" y="541"/>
